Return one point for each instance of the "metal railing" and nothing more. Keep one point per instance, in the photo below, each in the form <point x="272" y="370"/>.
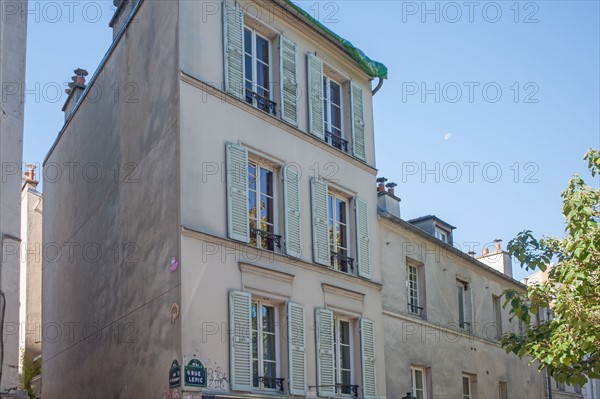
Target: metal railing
<point x="342" y="389"/>
<point x="345" y="263"/>
<point x="269" y="382"/>
<point x="414" y="309"/>
<point x="336" y="141"/>
<point x="465" y="325"/>
<point x="274" y="239"/>
<point x="261" y="102"/>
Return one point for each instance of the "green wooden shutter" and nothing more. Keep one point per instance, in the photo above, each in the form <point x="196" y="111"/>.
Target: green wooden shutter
<point x="289" y="84"/>
<point x="316" y="123"/>
<point x="240" y="332"/>
<point x="293" y="219"/>
<point x="233" y="31"/>
<point x="237" y="193"/>
<point x="367" y="347"/>
<point x="297" y="349"/>
<point x="363" y="250"/>
<point x="325" y="352"/>
<point x="320" y="224"/>
<point x="358" y="122"/>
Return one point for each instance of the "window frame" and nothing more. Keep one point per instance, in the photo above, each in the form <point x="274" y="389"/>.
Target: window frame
<point x="413" y="370"/>
<point x="269" y="167"/>
<point x="469" y="394"/>
<point x="332" y="216"/>
<point x="337" y="319"/>
<point x="442" y="234"/>
<point x="497" y="306"/>
<point x="327" y="80"/>
<point x="410" y="298"/>
<point x="254" y="59"/>
<point x="464" y="304"/>
<point x="260" y="303"/>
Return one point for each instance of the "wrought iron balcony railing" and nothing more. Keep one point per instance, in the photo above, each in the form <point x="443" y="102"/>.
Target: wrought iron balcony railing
<point x="465" y="325"/>
<point x="336" y="141"/>
<point x="271" y="238"/>
<point x="269" y="383"/>
<point x="344" y="262"/>
<point x="414" y="309"/>
<point x="342" y="389"/>
<point x="261" y="102"/>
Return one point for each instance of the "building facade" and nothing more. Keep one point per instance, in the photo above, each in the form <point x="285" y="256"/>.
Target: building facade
<point x="13" y="31"/>
<point x="240" y="204"/>
<point x="443" y="315"/>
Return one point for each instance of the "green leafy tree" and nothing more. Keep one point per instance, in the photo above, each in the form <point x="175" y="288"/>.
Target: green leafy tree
<point x="568" y="345"/>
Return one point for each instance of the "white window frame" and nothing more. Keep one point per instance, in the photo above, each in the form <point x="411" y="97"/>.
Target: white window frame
<point x="260" y="349"/>
<point x="255" y="33"/>
<point x="333" y="244"/>
<point x="338" y="360"/>
<point x="327" y="80"/>
<point x="413" y="270"/>
<point x="467" y="395"/>
<point x="413" y="380"/>
<point x="465" y="299"/>
<point x="441" y="234"/>
<point x="274" y="182"/>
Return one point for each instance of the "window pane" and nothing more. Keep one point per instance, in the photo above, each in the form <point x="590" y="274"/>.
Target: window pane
<point x="345" y="332"/>
<point x="248" y="72"/>
<point x="268" y="316"/>
<point x="334" y="93"/>
<point x="262" y="49"/>
<point x="248" y="41"/>
<point x="262" y="79"/>
<point x="341" y="211"/>
<point x="466" y="387"/>
<point x="266" y="182"/>
<point x="419" y="379"/>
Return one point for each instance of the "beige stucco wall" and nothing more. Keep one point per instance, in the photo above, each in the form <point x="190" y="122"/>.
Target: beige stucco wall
<point x="435" y="343"/>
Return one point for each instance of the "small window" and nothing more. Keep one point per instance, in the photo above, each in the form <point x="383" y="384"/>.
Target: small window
<point x="412" y="284"/>
<point x="418" y="382"/>
<point x="466" y="383"/>
<point x="343" y="356"/>
<point x="261" y="210"/>
<point x="497" y="315"/>
<point x="265" y="347"/>
<point x="502" y="390"/>
<point x="441" y="234"/>
<point x="332" y="114"/>
<point x="339" y="239"/>
<point x="258" y="70"/>
<point x="464" y="305"/>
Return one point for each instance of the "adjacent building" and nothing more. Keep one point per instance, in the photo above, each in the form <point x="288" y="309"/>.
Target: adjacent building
<point x="443" y="314"/>
<point x="13" y="31"/>
<point x="225" y="213"/>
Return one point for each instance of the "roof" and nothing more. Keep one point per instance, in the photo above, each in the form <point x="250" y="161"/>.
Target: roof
<point x="420" y="219"/>
<point x="462" y="255"/>
<point x="372" y="68"/>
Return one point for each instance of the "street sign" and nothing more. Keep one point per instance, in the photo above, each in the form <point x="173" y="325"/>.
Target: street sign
<point x="195" y="374"/>
<point x="175" y="375"/>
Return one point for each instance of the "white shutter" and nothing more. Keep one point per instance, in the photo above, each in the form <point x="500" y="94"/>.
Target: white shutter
<point x="233" y="31"/>
<point x="320" y="224"/>
<point x="363" y="250"/>
<point x="240" y="332"/>
<point x="316" y="123"/>
<point x="297" y="349"/>
<point x="289" y="84"/>
<point x="358" y="122"/>
<point x="325" y="353"/>
<point x="293" y="219"/>
<point x="237" y="193"/>
<point x="367" y="347"/>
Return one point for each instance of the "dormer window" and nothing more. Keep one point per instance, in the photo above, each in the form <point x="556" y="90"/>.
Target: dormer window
<point x="441" y="234"/>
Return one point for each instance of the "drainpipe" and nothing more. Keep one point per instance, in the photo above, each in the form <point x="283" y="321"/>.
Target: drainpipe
<point x="376" y="89"/>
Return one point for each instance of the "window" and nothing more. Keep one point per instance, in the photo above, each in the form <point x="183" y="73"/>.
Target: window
<point x="332" y="113"/>
<point x="337" y="210"/>
<point x="261" y="212"/>
<point x="418" y="383"/>
<point x="464" y="305"/>
<point x="497" y="315"/>
<point x="502" y="390"/>
<point x="521" y="327"/>
<point x="412" y="283"/>
<point x="466" y="382"/>
<point x="265" y="348"/>
<point x="343" y="356"/>
<point x="258" y="64"/>
<point x="441" y="235"/>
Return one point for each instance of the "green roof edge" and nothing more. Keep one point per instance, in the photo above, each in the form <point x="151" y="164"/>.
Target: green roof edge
<point x="372" y="68"/>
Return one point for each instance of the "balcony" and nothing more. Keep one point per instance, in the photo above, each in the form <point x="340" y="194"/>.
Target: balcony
<point x="260" y="102"/>
<point x="269" y="383"/>
<point x="342" y="262"/>
<point x="336" y="141"/>
<point x="268" y="240"/>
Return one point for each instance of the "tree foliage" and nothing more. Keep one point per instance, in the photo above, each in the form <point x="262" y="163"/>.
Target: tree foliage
<point x="567" y="345"/>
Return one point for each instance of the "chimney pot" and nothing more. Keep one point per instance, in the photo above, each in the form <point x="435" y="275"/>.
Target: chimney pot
<point x="381" y="184"/>
<point x="485" y="252"/>
<point x="390" y="187"/>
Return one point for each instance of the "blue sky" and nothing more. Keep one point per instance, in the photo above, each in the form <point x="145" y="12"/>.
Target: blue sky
<point x="487" y="112"/>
